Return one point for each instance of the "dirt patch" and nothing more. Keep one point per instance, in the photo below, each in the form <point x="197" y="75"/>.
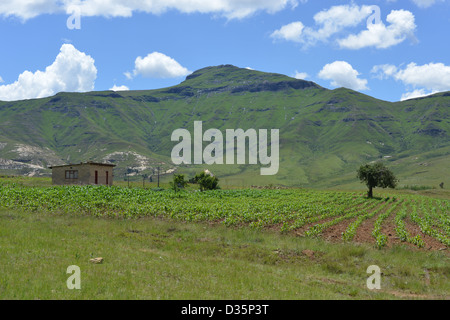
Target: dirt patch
<point x="275" y="227"/>
<point x="308" y="253"/>
<point x="334" y="233"/>
<point x="364" y="231"/>
<point x="388" y="229"/>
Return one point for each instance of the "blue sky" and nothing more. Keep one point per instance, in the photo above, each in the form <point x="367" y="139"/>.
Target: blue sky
<point x="402" y="53"/>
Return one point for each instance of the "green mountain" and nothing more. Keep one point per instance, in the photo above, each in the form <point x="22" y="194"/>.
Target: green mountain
<point x="324" y="134"/>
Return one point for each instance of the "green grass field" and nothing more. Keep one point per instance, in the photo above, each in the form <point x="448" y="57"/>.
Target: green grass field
<point x="227" y="244"/>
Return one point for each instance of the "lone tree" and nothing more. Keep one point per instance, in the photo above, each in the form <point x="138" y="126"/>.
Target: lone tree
<point x="376" y="175"/>
<point x="178" y="182"/>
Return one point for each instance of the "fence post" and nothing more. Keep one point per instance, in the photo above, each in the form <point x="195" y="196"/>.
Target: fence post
<point x="158" y="176"/>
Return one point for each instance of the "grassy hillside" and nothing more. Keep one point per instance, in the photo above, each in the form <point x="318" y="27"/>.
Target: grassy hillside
<point x="325" y="134"/>
<point x="227" y="244"/>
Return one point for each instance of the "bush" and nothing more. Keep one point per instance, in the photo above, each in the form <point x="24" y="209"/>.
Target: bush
<point x="178" y="182"/>
<point x="206" y="181"/>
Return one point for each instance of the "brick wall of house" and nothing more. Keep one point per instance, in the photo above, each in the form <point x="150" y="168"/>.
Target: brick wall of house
<point x="86" y="174"/>
<point x="101" y="170"/>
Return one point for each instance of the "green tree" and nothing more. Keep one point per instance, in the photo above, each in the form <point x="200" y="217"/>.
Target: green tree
<point x="178" y="182"/>
<point x="376" y="175"/>
<point x="206" y="181"/>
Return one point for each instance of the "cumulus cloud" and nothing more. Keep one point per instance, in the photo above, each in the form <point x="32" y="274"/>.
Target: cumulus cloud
<point x="232" y="9"/>
<point x="290" y="32"/>
<point x="119" y="88"/>
<point x="72" y="71"/>
<point x="433" y="76"/>
<point x="416" y="94"/>
<point x="378" y="35"/>
<point x="338" y="18"/>
<point x="158" y="65"/>
<point x="424" y="80"/>
<point x="384" y="71"/>
<point x="331" y="23"/>
<point x="300" y="75"/>
<point x="26" y="9"/>
<point x="342" y="74"/>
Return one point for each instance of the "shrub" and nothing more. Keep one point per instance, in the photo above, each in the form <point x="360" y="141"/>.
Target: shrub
<point x="206" y="181"/>
<point x="178" y="182"/>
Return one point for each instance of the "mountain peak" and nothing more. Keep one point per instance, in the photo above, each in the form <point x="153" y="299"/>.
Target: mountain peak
<point x="242" y="79"/>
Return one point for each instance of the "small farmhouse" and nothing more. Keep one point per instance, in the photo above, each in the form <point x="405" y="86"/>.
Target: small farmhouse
<point x="88" y="173"/>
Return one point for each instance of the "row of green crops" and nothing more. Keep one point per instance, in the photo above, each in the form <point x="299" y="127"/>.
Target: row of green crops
<point x="423" y="219"/>
<point x="256" y="207"/>
<point x="402" y="232"/>
<point x="291" y="209"/>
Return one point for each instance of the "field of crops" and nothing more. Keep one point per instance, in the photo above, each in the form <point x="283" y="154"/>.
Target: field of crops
<point x="414" y="220"/>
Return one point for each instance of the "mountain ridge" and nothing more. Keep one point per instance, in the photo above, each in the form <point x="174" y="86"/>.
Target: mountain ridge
<point x="324" y="133"/>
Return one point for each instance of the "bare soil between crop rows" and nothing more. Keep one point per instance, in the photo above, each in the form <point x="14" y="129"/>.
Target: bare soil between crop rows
<point x="363" y="234"/>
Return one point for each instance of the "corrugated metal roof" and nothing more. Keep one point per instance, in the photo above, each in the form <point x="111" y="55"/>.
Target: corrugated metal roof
<point x="81" y="163"/>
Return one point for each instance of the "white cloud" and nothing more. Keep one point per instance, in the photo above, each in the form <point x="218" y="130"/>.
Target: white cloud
<point x="384" y="71"/>
<point x="401" y="26"/>
<point x="158" y="65"/>
<point x="329" y="23"/>
<point x="432" y="76"/>
<point x="26" y="9"/>
<point x="290" y="32"/>
<point x="72" y="70"/>
<point x="416" y="94"/>
<point x="342" y="74"/>
<point x="129" y="75"/>
<point x="338" y="18"/>
<point x="1" y="79"/>
<point x="300" y="75"/>
<point x="424" y="80"/>
<point x="119" y="88"/>
<point x="426" y="3"/>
